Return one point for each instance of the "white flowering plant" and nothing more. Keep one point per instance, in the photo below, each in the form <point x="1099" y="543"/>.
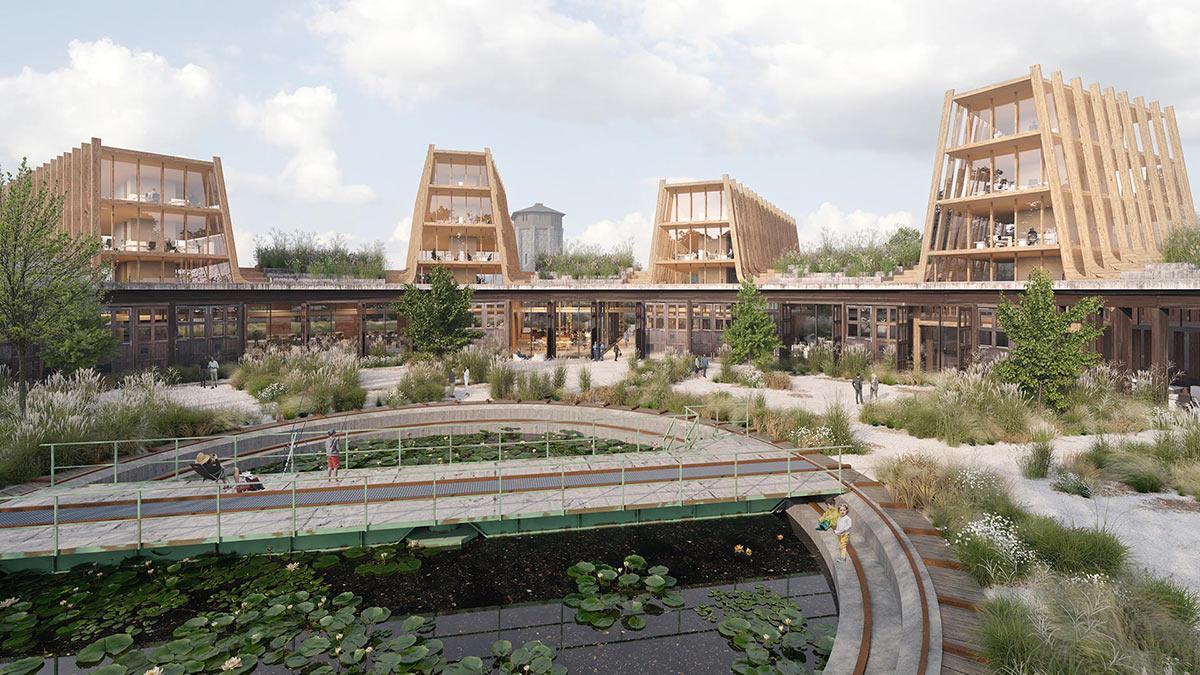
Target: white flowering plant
<point x="992" y="552"/>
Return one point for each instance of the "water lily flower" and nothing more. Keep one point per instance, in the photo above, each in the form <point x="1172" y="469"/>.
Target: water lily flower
<point x="749" y="552"/>
<point x="8" y="602"/>
<point x="737" y="548"/>
<point x="156" y="670"/>
<point x="369" y="649"/>
<point x="338" y="636"/>
<point x="788" y="621"/>
<point x="233" y="662"/>
<point x="293" y="566"/>
<point x="62" y="603"/>
<point x="781" y="629"/>
<point x="289" y="606"/>
<point x="337" y="650"/>
<point x="766" y="638"/>
<point x="779" y="537"/>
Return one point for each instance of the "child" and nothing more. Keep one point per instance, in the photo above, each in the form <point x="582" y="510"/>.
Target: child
<point x="829" y="517"/>
<point x="333" y="455"/>
<point x="842" y="530"/>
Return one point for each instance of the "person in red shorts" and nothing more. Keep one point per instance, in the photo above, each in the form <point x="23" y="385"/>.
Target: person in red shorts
<point x="333" y="455"/>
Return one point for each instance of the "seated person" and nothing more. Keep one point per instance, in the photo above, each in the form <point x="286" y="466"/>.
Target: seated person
<point x="1032" y="237"/>
<point x="209" y="466"/>
<point x="244" y="481"/>
<point x="829" y="517"/>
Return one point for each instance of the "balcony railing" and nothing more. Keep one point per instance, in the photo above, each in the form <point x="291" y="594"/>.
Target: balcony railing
<point x="459" y="256"/>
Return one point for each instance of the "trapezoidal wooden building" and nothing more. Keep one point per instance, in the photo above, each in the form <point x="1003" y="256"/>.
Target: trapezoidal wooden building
<point x="1041" y="173"/>
<point x="461" y="221"/>
<point x="716" y="231"/>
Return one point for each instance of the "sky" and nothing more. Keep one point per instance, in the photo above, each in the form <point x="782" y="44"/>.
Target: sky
<point x="322" y="112"/>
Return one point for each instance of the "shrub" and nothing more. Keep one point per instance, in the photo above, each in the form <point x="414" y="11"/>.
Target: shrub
<point x="857" y="255"/>
<point x="1182" y="246"/>
<point x="855" y="360"/>
<point x="1178" y="602"/>
<point x="560" y="376"/>
<point x="914" y="479"/>
<point x="580" y="261"/>
<point x="76" y="408"/>
<point x="325" y="380"/>
<point x="1151" y="385"/>
<point x="837" y="420"/>
<point x="479" y="360"/>
<point x="423" y="383"/>
<point x="991" y="550"/>
<point x="1186" y="478"/>
<point x="1035" y="463"/>
<point x="585" y="379"/>
<point x="1140" y="472"/>
<point x="1073" y="550"/>
<point x="502" y="379"/>
<point x="535" y="386"/>
<point x="774" y="379"/>
<point x="301" y="253"/>
<point x="1072" y="483"/>
<point x="1011" y="640"/>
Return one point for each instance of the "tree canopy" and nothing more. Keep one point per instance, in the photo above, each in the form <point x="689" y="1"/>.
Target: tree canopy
<point x="1050" y="348"/>
<point x="50" y="282"/>
<point x="752" y="334"/>
<point x="439" y="319"/>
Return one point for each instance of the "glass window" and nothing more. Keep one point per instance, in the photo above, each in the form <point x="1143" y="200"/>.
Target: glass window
<point x="714" y="207"/>
<point x="981" y="176"/>
<point x="106" y="177"/>
<point x="1004" y="173"/>
<point x="1061" y="162"/>
<point x="472" y="174"/>
<point x="148" y="230"/>
<point x="173" y="190"/>
<point x="1006" y="119"/>
<point x="125" y="185"/>
<point x="981" y="125"/>
<point x="441" y="172"/>
<point x="458" y="173"/>
<point x="458" y="208"/>
<point x="439" y="209"/>
<point x="198" y="188"/>
<point x="698" y="206"/>
<point x="1029" y="169"/>
<point x="150" y="177"/>
<point x="173" y="227"/>
<point x="485" y="210"/>
<point x="1027" y="115"/>
<point x="683" y="207"/>
<point x="1052" y="110"/>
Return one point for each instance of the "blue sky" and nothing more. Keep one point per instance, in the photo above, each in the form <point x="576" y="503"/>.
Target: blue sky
<point x="321" y="112"/>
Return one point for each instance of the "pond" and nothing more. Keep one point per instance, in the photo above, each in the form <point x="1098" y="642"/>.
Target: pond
<point x="726" y="578"/>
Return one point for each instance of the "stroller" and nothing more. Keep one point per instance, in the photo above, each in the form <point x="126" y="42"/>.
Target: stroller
<point x="209" y="467"/>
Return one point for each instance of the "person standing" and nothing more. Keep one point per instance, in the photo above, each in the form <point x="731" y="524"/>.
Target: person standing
<point x="696" y="365"/>
<point x="842" y="530"/>
<point x="704" y="366"/>
<point x="603" y="351"/>
<point x="466" y="377"/>
<point x="874" y="387"/>
<point x="857" y="384"/>
<point x="333" y="455"/>
<point x="616" y="351"/>
<point x="214" y="370"/>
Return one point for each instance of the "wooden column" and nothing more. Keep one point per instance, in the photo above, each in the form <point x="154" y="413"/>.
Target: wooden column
<point x="1160" y="336"/>
<point x="939" y="160"/>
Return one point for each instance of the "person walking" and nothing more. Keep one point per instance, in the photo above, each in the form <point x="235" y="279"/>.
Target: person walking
<point x="616" y="352"/>
<point x="466" y="382"/>
<point x="603" y="351"/>
<point x="214" y="370"/>
<point x="696" y="365"/>
<point x="704" y="366"/>
<point x="874" y="387"/>
<point x="333" y="455"/>
<point x="842" y="530"/>
<point x="857" y="384"/>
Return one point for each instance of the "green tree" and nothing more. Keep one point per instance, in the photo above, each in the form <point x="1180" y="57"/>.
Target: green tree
<point x="50" y="284"/>
<point x="752" y="334"/>
<point x="1050" y="347"/>
<point x="439" y="319"/>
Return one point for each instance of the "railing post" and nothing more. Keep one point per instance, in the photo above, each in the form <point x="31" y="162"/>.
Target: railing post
<point x="639" y="436"/>
<point x="52" y="464"/>
<point x="177" y="458"/>
<point x="547" y="432"/>
<point x="500" y="447"/>
<point x="840" y="450"/>
<point x="139" y="519"/>
<point x="293" y="510"/>
<point x="593" y="438"/>
<point x="622" y="483"/>
<point x="680" y="494"/>
<point x="451" y="445"/>
<point x="562" y="490"/>
<point x="499" y="492"/>
<point x="435" y="497"/>
<point x="218" y="516"/>
<point x="735" y="478"/>
<point x="56" y="531"/>
<point x="114" y="462"/>
<point x="235" y="444"/>
<point x="747" y="415"/>
<point x="366" y="508"/>
<point x="789" y="473"/>
<point x="399" y="450"/>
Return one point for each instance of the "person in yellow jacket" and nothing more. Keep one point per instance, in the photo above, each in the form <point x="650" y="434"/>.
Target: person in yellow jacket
<point x="829" y="517"/>
<point x="842" y="530"/>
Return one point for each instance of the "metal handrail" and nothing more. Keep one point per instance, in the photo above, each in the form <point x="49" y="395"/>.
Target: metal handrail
<point x="293" y="483"/>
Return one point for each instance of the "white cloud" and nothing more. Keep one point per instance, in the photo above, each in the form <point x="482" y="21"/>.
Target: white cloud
<point x="832" y="219"/>
<point x="397" y="244"/>
<point x="127" y="97"/>
<point x="867" y="74"/>
<point x="634" y="228"/>
<point x="301" y="122"/>
<point x="517" y="53"/>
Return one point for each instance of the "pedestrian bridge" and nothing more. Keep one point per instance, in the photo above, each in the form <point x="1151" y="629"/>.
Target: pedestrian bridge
<point x="683" y="466"/>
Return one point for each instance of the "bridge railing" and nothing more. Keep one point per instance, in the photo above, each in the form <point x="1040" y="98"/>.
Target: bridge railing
<point x="177" y="458"/>
<point x="149" y="515"/>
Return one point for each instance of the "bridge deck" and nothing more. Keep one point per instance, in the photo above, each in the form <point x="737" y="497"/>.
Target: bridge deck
<point x="178" y="512"/>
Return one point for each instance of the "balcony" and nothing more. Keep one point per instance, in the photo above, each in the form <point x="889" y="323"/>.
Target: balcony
<point x="459" y="257"/>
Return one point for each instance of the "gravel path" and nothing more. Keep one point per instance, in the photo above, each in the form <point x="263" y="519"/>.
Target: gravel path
<point x="1161" y="530"/>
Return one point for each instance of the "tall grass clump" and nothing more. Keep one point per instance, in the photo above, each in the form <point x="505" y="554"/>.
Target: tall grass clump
<point x="580" y="261"/>
<point x="774" y="379"/>
<point x="560" y="376"/>
<point x="1170" y="461"/>
<point x="857" y="255"/>
<point x="502" y="381"/>
<point x="855" y="360"/>
<point x="313" y="381"/>
<point x="1182" y="246"/>
<point x="535" y="386"/>
<point x="1036" y="461"/>
<point x="422" y="383"/>
<point x="301" y="253"/>
<point x="478" y="359"/>
<point x="77" y="408"/>
<point x="585" y="379"/>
